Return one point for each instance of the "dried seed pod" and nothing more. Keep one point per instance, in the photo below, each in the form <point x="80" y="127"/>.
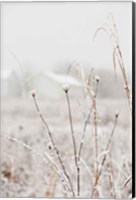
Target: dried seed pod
<point x="97" y="78"/>
<point x="116" y="114"/>
<point x="49" y="145"/>
<point x="33" y="93"/>
<point x="65" y="87"/>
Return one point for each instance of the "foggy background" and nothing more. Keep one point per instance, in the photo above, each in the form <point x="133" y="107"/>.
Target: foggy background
<point x="40" y="41"/>
<point x="42" y="37"/>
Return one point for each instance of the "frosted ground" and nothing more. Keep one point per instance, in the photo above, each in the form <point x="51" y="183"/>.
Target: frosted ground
<point x="24" y="174"/>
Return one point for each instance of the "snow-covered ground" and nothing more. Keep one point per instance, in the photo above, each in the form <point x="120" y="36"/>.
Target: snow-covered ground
<point x="25" y="174"/>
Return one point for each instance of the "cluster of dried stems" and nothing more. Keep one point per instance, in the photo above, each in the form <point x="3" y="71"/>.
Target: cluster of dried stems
<point x="112" y="32"/>
<point x="58" y="168"/>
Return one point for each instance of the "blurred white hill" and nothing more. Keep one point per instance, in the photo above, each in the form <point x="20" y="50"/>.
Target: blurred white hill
<point x="16" y="84"/>
<point x="63" y="79"/>
<point x="19" y="80"/>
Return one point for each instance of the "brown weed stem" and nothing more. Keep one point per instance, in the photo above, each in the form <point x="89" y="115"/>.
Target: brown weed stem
<point x="74" y="143"/>
<point x="104" y="158"/>
<point x="53" y="144"/>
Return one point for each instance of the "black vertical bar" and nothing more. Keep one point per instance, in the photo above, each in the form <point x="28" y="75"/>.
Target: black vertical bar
<point x="133" y="99"/>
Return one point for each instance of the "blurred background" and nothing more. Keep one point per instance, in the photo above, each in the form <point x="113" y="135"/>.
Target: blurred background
<point x="41" y="41"/>
<point x="42" y="46"/>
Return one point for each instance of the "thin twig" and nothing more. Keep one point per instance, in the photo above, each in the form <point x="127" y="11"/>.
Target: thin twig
<point x="74" y="143"/>
<point x="48" y="159"/>
<point x="127" y="181"/>
<point x="127" y="88"/>
<point x="107" y="148"/>
<point x="53" y="144"/>
<point x="96" y="138"/>
<point x="83" y="132"/>
<point x="86" y="123"/>
<point x="117" y="54"/>
<point x="71" y="127"/>
<point x="108" y="144"/>
<point x="109" y="165"/>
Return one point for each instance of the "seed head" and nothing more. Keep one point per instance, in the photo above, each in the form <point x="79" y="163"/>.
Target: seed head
<point x="49" y="146"/>
<point x="33" y="93"/>
<point x="65" y="87"/>
<point x="97" y="78"/>
<point x="116" y="114"/>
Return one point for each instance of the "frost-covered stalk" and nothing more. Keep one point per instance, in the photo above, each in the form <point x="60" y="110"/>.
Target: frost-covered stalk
<point x="111" y="182"/>
<point x="96" y="138"/>
<point x="107" y="148"/>
<point x="45" y="157"/>
<point x="66" y="90"/>
<point x="53" y="143"/>
<point x="112" y="32"/>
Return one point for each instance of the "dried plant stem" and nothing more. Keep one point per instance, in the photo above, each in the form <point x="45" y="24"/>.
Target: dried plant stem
<point x="71" y="128"/>
<point x="126" y="182"/>
<point x="114" y="61"/>
<point x="74" y="144"/>
<point x="96" y="138"/>
<point x="83" y="133"/>
<point x="87" y="167"/>
<point x="85" y="126"/>
<point x="110" y="170"/>
<point x="104" y="158"/>
<point x="117" y="54"/>
<point x="54" y="145"/>
<point x="81" y="144"/>
<point x="95" y="134"/>
<point x="121" y="63"/>
<point x="96" y="89"/>
<point x="47" y="159"/>
<point x="110" y="180"/>
<point x="107" y="147"/>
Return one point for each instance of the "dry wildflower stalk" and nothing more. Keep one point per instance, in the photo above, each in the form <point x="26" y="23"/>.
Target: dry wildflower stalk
<point x="89" y="86"/>
<point x="46" y="158"/>
<point x="117" y="54"/>
<point x="108" y="144"/>
<point x="53" y="144"/>
<point x="96" y="138"/>
<point x="127" y="87"/>
<point x="87" y="118"/>
<point x="66" y="89"/>
<point x="104" y="158"/>
<point x="110" y="170"/>
<point x="94" y="107"/>
<point x="127" y="181"/>
<point x="88" y="82"/>
<point x="122" y="187"/>
<point x="83" y="133"/>
<point x="80" y="149"/>
<point x="87" y="167"/>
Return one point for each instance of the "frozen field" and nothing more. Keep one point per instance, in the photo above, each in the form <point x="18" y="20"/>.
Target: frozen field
<point x="25" y="174"/>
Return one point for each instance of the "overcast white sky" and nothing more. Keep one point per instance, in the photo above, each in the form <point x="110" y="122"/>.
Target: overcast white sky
<point x="44" y="35"/>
